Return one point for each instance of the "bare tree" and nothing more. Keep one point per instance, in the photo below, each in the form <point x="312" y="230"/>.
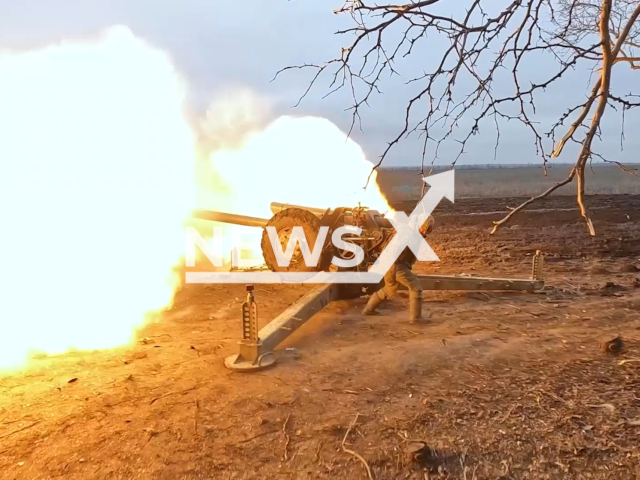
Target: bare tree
<point x="485" y="39"/>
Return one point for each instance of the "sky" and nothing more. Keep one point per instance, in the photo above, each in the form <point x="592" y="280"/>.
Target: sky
<point x="225" y="46"/>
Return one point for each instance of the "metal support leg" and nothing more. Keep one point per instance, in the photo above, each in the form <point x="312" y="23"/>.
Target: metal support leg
<point x="250" y="355"/>
<point x="256" y="347"/>
<point x="538" y="264"/>
<point x="296" y="315"/>
<point x="451" y="282"/>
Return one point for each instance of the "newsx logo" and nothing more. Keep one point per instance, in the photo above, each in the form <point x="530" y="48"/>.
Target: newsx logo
<point x="213" y="250"/>
<point x="407" y="236"/>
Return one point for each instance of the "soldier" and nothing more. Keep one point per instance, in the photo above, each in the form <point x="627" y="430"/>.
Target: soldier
<point x="400" y="274"/>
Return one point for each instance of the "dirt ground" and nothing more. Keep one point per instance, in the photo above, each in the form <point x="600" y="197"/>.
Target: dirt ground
<point x="498" y="386"/>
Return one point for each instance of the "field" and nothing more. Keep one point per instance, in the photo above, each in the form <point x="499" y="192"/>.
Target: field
<point x="405" y="184"/>
<point x="497" y="386"/>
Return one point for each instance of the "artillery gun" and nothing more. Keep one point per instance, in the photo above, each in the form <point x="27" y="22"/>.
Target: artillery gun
<point x="375" y="230"/>
<point x="256" y="347"/>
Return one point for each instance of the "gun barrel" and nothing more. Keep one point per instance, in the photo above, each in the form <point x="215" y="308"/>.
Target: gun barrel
<point x="277" y="207"/>
<point x="229" y="218"/>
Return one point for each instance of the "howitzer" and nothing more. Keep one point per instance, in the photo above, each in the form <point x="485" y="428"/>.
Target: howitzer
<point x="375" y="231"/>
<point x="256" y="347"/>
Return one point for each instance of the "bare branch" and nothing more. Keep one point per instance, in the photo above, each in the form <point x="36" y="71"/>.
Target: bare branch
<point x="481" y="70"/>
<point x="524" y="205"/>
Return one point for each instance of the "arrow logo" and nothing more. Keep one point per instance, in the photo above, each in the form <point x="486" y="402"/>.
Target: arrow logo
<point x="442" y="185"/>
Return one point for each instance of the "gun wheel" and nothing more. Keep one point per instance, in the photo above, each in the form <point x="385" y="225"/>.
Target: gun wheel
<point x="284" y="221"/>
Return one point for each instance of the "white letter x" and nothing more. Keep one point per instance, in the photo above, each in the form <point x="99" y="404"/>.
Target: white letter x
<point x="407" y="234"/>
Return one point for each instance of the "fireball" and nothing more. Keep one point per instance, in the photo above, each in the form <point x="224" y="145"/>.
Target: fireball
<point x="96" y="178"/>
<point x="298" y="160"/>
<point x="305" y="161"/>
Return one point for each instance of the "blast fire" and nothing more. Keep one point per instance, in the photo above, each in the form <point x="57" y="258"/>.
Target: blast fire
<point x="98" y="177"/>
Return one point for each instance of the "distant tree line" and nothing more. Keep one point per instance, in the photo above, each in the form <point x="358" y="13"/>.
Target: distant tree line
<point x="490" y="166"/>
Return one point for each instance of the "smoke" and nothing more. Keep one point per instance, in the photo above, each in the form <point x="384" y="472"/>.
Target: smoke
<point x="232" y="117"/>
<point x="249" y="159"/>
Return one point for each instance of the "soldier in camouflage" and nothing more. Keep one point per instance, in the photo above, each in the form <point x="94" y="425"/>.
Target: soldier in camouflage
<point x="401" y="274"/>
